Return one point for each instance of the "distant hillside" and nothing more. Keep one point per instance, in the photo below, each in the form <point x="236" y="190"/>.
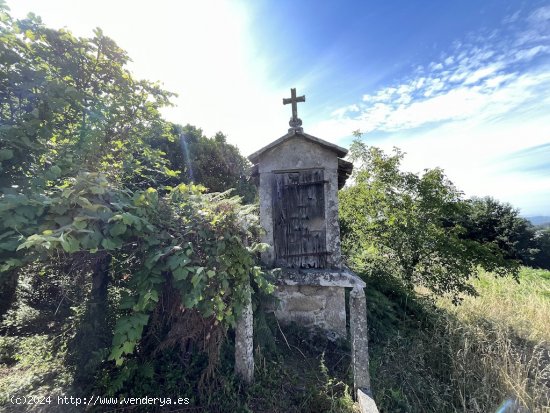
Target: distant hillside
<point x="539" y="219"/>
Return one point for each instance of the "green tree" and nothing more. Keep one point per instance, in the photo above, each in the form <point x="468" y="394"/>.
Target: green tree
<point x="211" y="162"/>
<point x="175" y="257"/>
<point x="408" y="225"/>
<point x="542" y="257"/>
<point x="67" y="105"/>
<point x="491" y="221"/>
<point x="80" y="164"/>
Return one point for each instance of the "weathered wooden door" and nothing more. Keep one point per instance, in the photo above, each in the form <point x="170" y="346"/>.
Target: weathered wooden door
<point x="299" y="228"/>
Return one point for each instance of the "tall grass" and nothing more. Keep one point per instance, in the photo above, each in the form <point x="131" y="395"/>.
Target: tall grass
<point x="489" y="354"/>
<point x="523" y="306"/>
<point x="504" y="350"/>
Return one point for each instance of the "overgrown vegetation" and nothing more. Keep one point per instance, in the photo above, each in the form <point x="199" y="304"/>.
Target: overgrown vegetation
<point x="120" y="275"/>
<point x="492" y="350"/>
<point x="137" y="262"/>
<point x="423" y="248"/>
<point x="212" y="162"/>
<point x="303" y="372"/>
<point x="295" y="372"/>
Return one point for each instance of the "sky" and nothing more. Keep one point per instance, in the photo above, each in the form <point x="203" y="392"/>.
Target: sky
<point x="462" y="85"/>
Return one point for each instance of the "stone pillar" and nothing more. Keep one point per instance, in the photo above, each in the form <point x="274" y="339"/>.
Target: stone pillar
<point x="359" y="340"/>
<point x="244" y="347"/>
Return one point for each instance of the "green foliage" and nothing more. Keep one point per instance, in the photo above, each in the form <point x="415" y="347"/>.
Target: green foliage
<point x="8" y="348"/>
<point x="211" y="162"/>
<point x="542" y="257"/>
<point x="491" y="221"/>
<point x="408" y="225"/>
<point x="334" y="395"/>
<point x="80" y="158"/>
<point x="68" y="104"/>
<point x="162" y="375"/>
<point x="304" y="372"/>
<point x="202" y="244"/>
<point x="85" y="206"/>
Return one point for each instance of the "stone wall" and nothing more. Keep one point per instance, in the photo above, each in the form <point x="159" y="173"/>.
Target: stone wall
<point x="313" y="307"/>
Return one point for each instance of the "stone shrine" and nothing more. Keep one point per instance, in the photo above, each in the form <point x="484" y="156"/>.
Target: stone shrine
<point x="299" y="176"/>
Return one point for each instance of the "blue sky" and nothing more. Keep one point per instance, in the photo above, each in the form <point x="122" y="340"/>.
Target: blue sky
<point x="462" y="85"/>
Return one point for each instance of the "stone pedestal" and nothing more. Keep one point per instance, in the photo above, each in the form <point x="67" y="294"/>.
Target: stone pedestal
<point x="313" y="307"/>
<point x="244" y="346"/>
<point x="359" y="340"/>
<point x="315" y="298"/>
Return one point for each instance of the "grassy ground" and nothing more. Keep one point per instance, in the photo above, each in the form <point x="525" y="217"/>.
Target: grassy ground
<point x="32" y="366"/>
<point x="523" y="307"/>
<point x="309" y="374"/>
<point x="297" y="373"/>
<point x="491" y="353"/>
<point x="506" y="338"/>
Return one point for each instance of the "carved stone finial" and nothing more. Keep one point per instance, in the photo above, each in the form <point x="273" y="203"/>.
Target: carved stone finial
<point x="295" y="122"/>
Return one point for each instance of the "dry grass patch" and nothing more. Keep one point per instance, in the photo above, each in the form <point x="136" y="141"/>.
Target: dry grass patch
<point x="503" y="346"/>
<point x="523" y="307"/>
<point x="489" y="354"/>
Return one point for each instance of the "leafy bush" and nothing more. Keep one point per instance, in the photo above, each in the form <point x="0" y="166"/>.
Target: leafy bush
<point x="186" y="254"/>
<point x="409" y="226"/>
<point x="85" y="209"/>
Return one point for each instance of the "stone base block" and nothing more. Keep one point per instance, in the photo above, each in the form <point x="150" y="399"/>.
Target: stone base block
<point x="313" y="306"/>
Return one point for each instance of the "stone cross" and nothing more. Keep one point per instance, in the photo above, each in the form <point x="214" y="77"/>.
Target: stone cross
<point x="295" y="122"/>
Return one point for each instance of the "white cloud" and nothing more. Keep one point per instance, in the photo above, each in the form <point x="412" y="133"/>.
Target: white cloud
<point x="419" y="83"/>
<point x="528" y="54"/>
<point x="512" y="18"/>
<point x="449" y="60"/>
<point x="486" y="104"/>
<point x="495" y="97"/>
<point x="476" y="157"/>
<point x="481" y="74"/>
<point x="479" y="81"/>
<point x="339" y="113"/>
<point x="540" y="15"/>
<point x="497" y="80"/>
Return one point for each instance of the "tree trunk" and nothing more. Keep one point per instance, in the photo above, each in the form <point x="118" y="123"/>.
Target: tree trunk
<point x="93" y="335"/>
<point x="8" y="287"/>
